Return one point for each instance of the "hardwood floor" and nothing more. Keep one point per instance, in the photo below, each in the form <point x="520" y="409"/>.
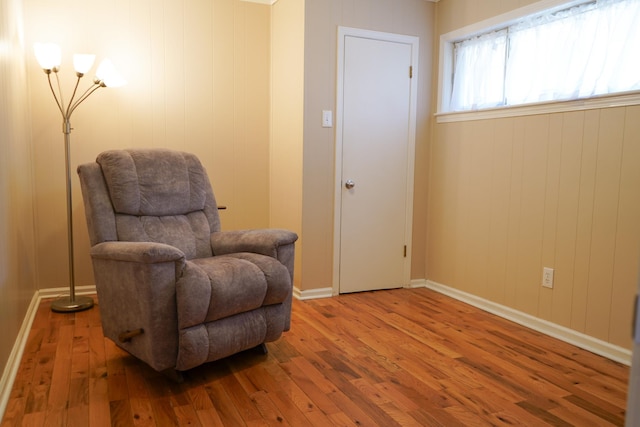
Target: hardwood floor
<point x="407" y="357"/>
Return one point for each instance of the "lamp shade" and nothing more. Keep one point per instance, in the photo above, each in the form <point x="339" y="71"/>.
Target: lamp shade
<point x="108" y="75"/>
<point x="48" y="55"/>
<point x="82" y="62"/>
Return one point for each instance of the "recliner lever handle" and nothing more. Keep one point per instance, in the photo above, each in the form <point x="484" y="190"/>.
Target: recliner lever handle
<point x="127" y="335"/>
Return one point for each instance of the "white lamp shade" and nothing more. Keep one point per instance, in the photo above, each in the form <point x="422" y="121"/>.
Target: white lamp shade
<point x="108" y="75"/>
<point x="82" y="62"/>
<point x="49" y="55"/>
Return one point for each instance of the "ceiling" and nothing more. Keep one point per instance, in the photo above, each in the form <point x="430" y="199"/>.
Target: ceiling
<point x="270" y="2"/>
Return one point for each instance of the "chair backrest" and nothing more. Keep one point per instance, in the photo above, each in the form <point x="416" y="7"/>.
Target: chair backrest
<point x="150" y="195"/>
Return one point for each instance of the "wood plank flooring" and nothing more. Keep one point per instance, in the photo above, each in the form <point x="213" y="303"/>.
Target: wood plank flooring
<point x="406" y="357"/>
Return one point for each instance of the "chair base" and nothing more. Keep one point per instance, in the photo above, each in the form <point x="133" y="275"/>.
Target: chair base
<point x="178" y="376"/>
<point x="261" y="349"/>
<point x="173" y="375"/>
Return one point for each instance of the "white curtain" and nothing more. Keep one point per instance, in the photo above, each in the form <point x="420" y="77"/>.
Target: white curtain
<point x="584" y="51"/>
<point x="479" y="78"/>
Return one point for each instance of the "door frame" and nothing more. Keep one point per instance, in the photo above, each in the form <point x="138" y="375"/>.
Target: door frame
<point x="413" y="41"/>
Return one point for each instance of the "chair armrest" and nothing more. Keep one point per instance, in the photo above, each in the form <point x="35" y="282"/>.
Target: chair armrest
<point x="136" y="284"/>
<point x="262" y="241"/>
<point x="142" y="252"/>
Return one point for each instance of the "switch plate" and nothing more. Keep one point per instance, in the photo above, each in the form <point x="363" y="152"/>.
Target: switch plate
<point x="547" y="277"/>
<point x="327" y="118"/>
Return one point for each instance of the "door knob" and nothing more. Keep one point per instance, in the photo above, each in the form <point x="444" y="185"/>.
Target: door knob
<point x="349" y="184"/>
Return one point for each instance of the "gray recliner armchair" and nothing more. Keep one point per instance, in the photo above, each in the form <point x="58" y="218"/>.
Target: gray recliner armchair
<point x="174" y="290"/>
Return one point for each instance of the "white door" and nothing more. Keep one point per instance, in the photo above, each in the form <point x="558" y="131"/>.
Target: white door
<point x="375" y="140"/>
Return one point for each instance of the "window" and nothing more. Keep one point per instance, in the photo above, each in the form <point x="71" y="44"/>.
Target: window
<point x="575" y="52"/>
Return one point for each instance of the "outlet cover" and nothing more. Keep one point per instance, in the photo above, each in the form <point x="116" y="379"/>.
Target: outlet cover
<point x="547" y="277"/>
<point x="327" y="118"/>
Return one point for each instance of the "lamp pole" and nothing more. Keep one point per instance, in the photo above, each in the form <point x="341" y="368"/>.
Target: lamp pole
<point x="73" y="302"/>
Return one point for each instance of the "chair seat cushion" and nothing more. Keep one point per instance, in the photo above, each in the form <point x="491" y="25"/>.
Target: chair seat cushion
<point x="275" y="273"/>
<point x="239" y="283"/>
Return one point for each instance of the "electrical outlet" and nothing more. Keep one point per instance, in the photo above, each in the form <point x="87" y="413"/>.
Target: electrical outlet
<point x="547" y="277"/>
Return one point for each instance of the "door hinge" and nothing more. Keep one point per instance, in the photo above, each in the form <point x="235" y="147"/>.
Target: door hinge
<point x="410" y="71"/>
<point x="405" y="251"/>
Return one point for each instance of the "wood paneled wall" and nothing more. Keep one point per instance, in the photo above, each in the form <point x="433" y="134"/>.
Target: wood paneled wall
<point x="17" y="244"/>
<point x="198" y="80"/>
<point x="513" y="195"/>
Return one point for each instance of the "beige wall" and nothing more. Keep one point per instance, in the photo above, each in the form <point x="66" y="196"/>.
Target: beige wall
<point x="17" y="245"/>
<point x="455" y="14"/>
<point x="287" y="115"/>
<point x="511" y="195"/>
<point x="322" y="18"/>
<point x="199" y="79"/>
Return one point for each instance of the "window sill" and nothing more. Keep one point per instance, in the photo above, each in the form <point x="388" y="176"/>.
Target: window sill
<point x="597" y="102"/>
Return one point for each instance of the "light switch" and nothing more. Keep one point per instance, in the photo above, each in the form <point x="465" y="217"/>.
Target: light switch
<point x="327" y="119"/>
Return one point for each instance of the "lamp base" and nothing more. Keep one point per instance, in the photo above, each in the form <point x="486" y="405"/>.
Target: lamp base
<point x="66" y="305"/>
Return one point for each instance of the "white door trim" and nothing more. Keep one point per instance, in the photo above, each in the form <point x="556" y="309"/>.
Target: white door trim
<point x="337" y="223"/>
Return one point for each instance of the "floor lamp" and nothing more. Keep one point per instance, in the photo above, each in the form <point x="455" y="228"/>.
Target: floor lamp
<point x="49" y="57"/>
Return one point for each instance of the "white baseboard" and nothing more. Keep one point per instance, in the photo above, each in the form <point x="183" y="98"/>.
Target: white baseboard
<point x="418" y="283"/>
<point x="13" y="363"/>
<point x="594" y="345"/>
<point x="59" y="292"/>
<point x="312" y="293"/>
